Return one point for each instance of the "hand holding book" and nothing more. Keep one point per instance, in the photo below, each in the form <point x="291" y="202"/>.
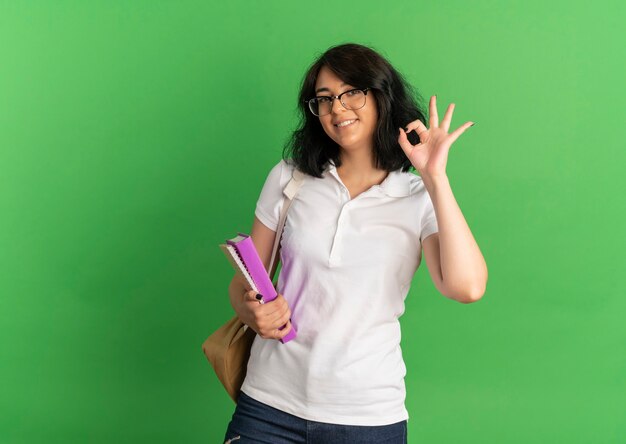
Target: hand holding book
<point x="242" y="254"/>
<point x="270" y="320"/>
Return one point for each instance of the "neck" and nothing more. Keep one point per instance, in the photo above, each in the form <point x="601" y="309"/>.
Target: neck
<point x="358" y="167"/>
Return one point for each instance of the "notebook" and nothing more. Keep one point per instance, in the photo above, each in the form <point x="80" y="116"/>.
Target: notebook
<point x="242" y="255"/>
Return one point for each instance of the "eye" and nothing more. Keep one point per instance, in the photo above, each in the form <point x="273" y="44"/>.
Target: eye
<point x="323" y="99"/>
<point x="353" y="92"/>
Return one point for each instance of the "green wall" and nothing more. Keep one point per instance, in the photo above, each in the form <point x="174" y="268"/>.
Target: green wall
<point x="128" y="130"/>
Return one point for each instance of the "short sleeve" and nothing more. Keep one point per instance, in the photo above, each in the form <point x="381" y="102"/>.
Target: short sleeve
<point x="429" y="220"/>
<point x="270" y="200"/>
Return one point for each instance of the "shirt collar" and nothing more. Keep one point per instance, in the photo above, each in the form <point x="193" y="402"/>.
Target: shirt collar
<point x="396" y="184"/>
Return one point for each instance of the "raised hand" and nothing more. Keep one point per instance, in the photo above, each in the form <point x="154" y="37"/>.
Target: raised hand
<point x="430" y="156"/>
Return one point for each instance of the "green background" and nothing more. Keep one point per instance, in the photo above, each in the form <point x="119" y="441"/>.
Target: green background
<point x="136" y="136"/>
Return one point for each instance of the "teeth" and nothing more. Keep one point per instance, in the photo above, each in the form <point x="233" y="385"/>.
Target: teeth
<point x="347" y="122"/>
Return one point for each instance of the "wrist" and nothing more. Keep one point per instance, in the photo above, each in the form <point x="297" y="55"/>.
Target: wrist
<point x="434" y="181"/>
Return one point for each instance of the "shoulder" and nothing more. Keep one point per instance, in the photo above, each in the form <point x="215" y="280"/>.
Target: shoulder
<point x="284" y="168"/>
<point x="288" y="166"/>
<point x="279" y="169"/>
<point x="279" y="175"/>
<point x="270" y="200"/>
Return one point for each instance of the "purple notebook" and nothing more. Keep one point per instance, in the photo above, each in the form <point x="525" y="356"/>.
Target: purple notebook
<point x="249" y="256"/>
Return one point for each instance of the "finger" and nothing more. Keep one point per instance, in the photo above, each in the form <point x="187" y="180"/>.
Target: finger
<point x="282" y="319"/>
<point x="278" y="317"/>
<point x="447" y="118"/>
<point x="249" y="295"/>
<point x="404" y="143"/>
<point x="273" y="331"/>
<point x="457" y="132"/>
<point x="272" y="310"/>
<point x="434" y="118"/>
<point x="282" y="302"/>
<point x="419" y="128"/>
<point x="282" y="333"/>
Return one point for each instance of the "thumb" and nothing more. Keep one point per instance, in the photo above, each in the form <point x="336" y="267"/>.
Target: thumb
<point x="253" y="296"/>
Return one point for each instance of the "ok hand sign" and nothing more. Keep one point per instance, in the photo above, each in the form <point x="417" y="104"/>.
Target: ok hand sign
<point x="430" y="156"/>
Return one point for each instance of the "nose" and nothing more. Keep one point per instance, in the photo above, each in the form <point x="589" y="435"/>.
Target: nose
<point x="335" y="102"/>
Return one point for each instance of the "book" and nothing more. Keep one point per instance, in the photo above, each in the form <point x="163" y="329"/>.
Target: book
<point x="238" y="265"/>
<point x="241" y="253"/>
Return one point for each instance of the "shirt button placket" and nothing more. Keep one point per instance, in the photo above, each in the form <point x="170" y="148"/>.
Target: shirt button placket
<point x="335" y="257"/>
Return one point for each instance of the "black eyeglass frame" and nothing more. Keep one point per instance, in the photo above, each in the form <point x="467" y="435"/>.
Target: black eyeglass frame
<point x="338" y="96"/>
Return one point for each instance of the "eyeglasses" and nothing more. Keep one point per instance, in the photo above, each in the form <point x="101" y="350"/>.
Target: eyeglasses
<point x="352" y="99"/>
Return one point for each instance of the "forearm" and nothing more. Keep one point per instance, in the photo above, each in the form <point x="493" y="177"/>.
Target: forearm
<point x="236" y="290"/>
<point x="463" y="267"/>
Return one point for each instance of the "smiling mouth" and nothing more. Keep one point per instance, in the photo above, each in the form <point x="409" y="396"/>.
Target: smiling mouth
<point x="346" y="123"/>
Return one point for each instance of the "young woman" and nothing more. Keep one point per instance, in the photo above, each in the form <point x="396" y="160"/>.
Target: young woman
<point x="351" y="245"/>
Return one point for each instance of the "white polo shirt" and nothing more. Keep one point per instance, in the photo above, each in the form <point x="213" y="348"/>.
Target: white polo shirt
<point x="347" y="265"/>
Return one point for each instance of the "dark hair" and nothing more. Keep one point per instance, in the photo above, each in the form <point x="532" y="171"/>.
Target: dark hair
<point x="398" y="104"/>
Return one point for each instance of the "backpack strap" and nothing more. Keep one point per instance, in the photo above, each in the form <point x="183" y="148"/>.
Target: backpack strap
<point x="289" y="192"/>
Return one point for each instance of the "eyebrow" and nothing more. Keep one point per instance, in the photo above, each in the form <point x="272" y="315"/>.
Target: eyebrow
<point x="326" y="89"/>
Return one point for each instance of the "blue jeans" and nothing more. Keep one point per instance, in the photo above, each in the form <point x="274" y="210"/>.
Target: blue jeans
<point x="255" y="422"/>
